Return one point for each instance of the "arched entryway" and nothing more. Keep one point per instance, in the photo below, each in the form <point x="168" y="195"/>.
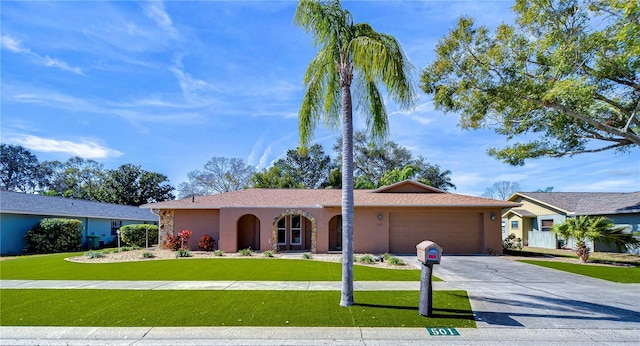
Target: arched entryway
<point x="294" y="230"/>
<point x="249" y="232"/>
<point x="335" y="233"/>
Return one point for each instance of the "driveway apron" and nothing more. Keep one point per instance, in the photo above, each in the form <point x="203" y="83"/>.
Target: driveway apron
<point x="506" y="293"/>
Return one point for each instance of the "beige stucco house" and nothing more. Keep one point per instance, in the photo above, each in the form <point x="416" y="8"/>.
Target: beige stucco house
<point x="390" y="219"/>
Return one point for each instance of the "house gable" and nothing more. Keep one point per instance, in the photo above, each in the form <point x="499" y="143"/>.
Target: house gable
<point x="408" y="186"/>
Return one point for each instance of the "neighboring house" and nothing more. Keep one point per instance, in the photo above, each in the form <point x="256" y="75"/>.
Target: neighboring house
<point x="541" y="210"/>
<point x="391" y="219"/>
<point x="20" y="212"/>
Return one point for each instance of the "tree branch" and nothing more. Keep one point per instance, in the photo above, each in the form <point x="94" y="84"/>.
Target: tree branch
<point x="630" y="136"/>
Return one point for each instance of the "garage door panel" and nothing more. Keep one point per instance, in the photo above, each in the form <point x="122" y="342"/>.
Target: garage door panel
<point x="457" y="233"/>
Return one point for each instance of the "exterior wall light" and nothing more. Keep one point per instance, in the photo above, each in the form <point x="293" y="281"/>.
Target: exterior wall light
<point x="379" y="216"/>
<point x="493" y="216"/>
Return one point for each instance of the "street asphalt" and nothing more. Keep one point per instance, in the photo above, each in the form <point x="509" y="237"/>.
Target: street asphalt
<point x="512" y="302"/>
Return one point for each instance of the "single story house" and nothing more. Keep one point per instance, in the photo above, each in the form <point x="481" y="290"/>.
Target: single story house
<point x="390" y="219"/>
<point x="539" y="211"/>
<point x="20" y="212"/>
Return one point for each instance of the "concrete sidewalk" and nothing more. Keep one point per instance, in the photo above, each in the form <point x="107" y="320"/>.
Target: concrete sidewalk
<point x="215" y="285"/>
<point x="308" y="336"/>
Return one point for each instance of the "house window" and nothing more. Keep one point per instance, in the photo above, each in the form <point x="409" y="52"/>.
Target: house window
<point x="546" y="225"/>
<point x="115" y="226"/>
<point x="514" y="224"/>
<point x="282" y="231"/>
<point x="296" y="230"/>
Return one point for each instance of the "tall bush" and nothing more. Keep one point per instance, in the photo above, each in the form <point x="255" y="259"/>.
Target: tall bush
<point x="135" y="235"/>
<point x="54" y="235"/>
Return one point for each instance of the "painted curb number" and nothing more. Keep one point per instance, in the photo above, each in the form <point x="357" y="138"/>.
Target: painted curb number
<point x="443" y="332"/>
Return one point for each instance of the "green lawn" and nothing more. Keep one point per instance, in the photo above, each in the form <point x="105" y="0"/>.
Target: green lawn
<point x="615" y="274"/>
<point x="54" y="267"/>
<point x="118" y="308"/>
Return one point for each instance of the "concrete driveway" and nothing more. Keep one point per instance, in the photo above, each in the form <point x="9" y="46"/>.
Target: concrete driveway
<point x="506" y="293"/>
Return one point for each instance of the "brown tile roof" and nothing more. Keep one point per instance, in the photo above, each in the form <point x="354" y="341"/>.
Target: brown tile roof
<point x="588" y="203"/>
<point x="306" y="198"/>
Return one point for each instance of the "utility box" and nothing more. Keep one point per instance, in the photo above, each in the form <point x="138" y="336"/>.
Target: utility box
<point x="93" y="242"/>
<point x="429" y="252"/>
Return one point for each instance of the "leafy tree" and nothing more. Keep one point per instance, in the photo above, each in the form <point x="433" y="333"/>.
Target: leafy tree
<point x="565" y="78"/>
<point x="433" y="175"/>
<point x="308" y="166"/>
<point x="220" y="174"/>
<point x="274" y="177"/>
<point x="379" y="162"/>
<point x="584" y="228"/>
<point x="372" y="157"/>
<point x="501" y="190"/>
<point x="399" y="174"/>
<point x="350" y="54"/>
<point x="75" y="178"/>
<point x="19" y="169"/>
<point x="301" y="168"/>
<point x="131" y="185"/>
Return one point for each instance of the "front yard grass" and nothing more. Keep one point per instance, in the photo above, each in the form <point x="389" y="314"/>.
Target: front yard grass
<point x="128" y="308"/>
<point x="54" y="267"/>
<point x="595" y="256"/>
<point x="616" y="274"/>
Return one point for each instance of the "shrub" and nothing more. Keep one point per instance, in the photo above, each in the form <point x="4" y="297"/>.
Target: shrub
<point x="54" y="235"/>
<point x="512" y="243"/>
<point x="268" y="253"/>
<point x="184" y="235"/>
<point x="218" y="253"/>
<point x="94" y="254"/>
<point x="306" y="255"/>
<point x="246" y="252"/>
<point x="183" y="253"/>
<point x="393" y="260"/>
<point x="172" y="242"/>
<point x="135" y="235"/>
<point x="368" y="259"/>
<point x="206" y="243"/>
<point x="148" y="254"/>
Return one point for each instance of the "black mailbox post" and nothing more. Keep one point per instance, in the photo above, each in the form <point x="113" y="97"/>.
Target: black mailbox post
<point x="429" y="253"/>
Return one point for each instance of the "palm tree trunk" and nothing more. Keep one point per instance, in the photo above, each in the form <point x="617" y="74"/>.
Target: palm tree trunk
<point x="347" y="197"/>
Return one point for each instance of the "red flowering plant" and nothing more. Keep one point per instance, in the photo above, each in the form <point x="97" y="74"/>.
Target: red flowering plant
<point x="184" y="235"/>
<point x="171" y="242"/>
<point x="206" y="243"/>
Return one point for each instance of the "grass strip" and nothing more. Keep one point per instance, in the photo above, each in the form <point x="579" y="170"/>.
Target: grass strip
<point x="615" y="274"/>
<point x="128" y="308"/>
<point x="54" y="267"/>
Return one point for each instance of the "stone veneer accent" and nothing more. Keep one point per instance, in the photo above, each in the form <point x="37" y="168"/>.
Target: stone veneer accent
<point x="166" y="225"/>
<point x="274" y="230"/>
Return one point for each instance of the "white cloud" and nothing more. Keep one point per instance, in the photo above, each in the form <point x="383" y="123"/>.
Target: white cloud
<point x="155" y="10"/>
<point x="192" y="88"/>
<point x="15" y="46"/>
<point x="51" y="62"/>
<point x="84" y="148"/>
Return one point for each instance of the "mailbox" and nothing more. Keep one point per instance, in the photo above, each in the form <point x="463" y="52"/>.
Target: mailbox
<point x="429" y="252"/>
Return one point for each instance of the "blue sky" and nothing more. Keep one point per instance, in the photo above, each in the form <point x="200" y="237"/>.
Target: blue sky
<point x="168" y="85"/>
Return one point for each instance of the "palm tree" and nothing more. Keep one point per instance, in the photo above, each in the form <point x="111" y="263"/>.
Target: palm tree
<point x="584" y="228"/>
<point x="349" y="54"/>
